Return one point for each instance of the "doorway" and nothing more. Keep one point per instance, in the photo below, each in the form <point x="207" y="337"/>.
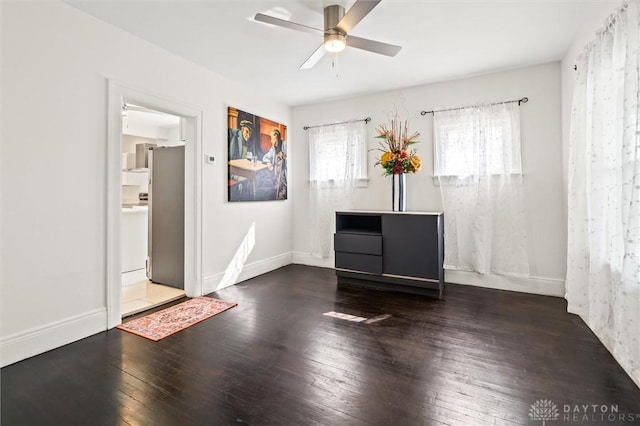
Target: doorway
<point x="151" y="235"/>
<point x="190" y="132"/>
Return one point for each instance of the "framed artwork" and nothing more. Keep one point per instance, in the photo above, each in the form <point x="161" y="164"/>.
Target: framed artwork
<point x="257" y="158"/>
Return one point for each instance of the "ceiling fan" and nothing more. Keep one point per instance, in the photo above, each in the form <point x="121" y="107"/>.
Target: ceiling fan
<point x="337" y="25"/>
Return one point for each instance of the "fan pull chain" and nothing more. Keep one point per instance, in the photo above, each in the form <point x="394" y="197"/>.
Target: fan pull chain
<point x="334" y="63"/>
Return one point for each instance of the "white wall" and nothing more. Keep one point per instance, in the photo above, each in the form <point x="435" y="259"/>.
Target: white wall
<point x="56" y="65"/>
<point x="541" y="155"/>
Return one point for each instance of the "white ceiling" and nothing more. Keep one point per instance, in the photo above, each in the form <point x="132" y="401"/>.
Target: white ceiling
<point x="441" y="40"/>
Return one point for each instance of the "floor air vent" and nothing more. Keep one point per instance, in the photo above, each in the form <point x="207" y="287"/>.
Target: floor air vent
<point x="354" y="318"/>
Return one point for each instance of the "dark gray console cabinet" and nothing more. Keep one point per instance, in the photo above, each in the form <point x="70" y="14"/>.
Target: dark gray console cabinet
<point x="390" y="251"/>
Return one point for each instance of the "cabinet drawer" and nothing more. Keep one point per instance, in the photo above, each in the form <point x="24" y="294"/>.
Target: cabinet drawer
<point x="358" y="243"/>
<point x="359" y="262"/>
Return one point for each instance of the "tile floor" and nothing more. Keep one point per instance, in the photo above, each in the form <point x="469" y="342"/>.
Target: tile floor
<point x="140" y="295"/>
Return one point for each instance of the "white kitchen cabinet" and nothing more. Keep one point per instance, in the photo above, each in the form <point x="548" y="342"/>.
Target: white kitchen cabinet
<point x="128" y="160"/>
<point x="133" y="237"/>
<point x="135" y="177"/>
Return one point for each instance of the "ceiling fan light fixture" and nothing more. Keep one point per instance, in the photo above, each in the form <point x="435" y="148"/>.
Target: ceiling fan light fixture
<point x="337" y="26"/>
<point x="335" y="43"/>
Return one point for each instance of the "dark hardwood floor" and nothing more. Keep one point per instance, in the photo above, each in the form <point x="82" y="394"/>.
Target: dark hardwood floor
<point x="478" y="357"/>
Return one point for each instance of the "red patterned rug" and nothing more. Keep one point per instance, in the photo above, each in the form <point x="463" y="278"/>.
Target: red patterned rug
<point x="166" y="322"/>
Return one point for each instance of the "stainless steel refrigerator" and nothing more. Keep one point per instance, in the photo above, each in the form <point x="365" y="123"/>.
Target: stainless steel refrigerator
<point x="165" y="264"/>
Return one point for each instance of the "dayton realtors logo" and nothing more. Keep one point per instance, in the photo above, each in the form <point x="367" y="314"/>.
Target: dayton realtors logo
<point x="545" y="410"/>
<point x="584" y="413"/>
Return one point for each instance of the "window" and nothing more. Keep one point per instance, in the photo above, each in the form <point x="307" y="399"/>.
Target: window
<point x="337" y="160"/>
<point x="478" y="167"/>
<point x="477" y="142"/>
<point x="338" y="153"/>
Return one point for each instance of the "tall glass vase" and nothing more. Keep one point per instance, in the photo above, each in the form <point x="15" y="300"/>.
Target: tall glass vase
<point x="398" y="192"/>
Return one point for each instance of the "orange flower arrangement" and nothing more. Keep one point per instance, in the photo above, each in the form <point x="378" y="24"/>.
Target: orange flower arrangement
<point x="396" y="157"/>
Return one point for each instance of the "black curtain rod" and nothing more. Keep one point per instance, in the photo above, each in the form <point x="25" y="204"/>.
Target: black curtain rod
<point x="366" y="120"/>
<point x="519" y="101"/>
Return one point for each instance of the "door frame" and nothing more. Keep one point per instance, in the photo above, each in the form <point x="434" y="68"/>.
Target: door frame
<point x="118" y="94"/>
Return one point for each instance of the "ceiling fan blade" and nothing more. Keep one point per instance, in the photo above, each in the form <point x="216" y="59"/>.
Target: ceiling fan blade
<point x="260" y="17"/>
<point x="373" y="46"/>
<point x="314" y="58"/>
<point x="358" y="11"/>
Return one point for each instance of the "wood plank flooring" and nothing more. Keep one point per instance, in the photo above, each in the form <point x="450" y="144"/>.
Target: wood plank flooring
<point x="477" y="357"/>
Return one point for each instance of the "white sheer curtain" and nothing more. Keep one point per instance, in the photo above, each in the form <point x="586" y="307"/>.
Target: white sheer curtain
<point x="337" y="158"/>
<point x="603" y="268"/>
<point x="478" y="164"/>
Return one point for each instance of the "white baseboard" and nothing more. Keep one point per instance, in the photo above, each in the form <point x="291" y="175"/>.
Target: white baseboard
<point x="133" y="277"/>
<point x="534" y="285"/>
<point x="37" y="340"/>
<point x="237" y="273"/>
<point x="301" y="258"/>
